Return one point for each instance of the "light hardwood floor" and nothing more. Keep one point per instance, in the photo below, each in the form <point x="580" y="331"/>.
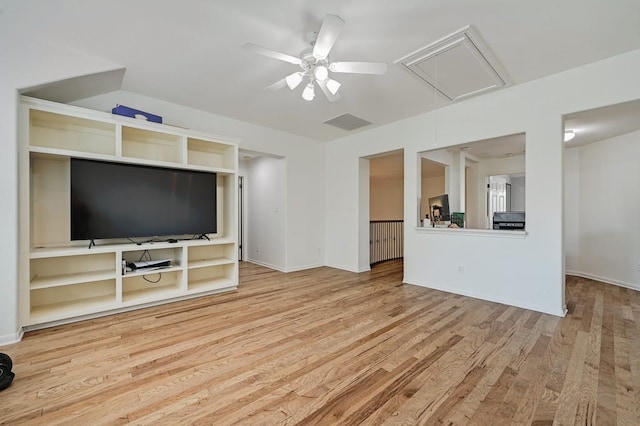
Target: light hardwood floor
<point x="331" y="347"/>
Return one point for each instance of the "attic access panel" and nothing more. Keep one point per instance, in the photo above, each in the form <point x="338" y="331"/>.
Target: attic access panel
<point x="457" y="66"/>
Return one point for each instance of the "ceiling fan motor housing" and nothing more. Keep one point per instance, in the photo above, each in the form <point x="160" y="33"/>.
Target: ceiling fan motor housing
<point x="310" y="63"/>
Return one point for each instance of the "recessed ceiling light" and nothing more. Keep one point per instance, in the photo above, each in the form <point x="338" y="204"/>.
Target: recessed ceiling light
<point x="568" y="135"/>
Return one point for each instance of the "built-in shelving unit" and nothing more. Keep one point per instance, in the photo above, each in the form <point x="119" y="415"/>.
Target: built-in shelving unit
<point x="64" y="280"/>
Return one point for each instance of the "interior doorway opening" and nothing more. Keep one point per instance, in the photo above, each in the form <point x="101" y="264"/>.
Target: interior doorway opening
<point x="262" y="209"/>
<point x="386" y="208"/>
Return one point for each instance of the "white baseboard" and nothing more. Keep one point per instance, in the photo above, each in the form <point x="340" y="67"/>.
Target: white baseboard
<point x="605" y="280"/>
<point x="560" y="312"/>
<point x="9" y="339"/>
<point x="285" y="270"/>
<point x="346" y="268"/>
<point x="265" y="264"/>
<point x="304" y="268"/>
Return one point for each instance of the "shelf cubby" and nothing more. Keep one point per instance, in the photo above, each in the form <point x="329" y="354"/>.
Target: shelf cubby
<point x="50" y="200"/>
<point x="172" y="253"/>
<point x="212" y="277"/>
<point x="150" y="145"/>
<point x="150" y="286"/>
<point x="63" y="132"/>
<point x="62" y="271"/>
<point x="210" y="255"/>
<point x="52" y="303"/>
<point x="210" y="154"/>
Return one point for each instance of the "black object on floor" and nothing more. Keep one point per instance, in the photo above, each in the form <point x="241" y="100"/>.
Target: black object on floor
<point x="6" y="375"/>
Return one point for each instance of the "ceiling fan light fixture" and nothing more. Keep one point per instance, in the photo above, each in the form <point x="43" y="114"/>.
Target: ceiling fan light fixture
<point x="333" y="86"/>
<point x="321" y="73"/>
<point x="568" y="135"/>
<point x="308" y="93"/>
<point x="293" y="80"/>
<point x="315" y="63"/>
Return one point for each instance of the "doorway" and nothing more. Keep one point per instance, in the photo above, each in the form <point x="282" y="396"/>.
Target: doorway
<point x="240" y="218"/>
<point x="386" y="207"/>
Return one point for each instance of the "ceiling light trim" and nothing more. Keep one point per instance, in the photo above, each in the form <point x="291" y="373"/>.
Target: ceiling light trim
<point x="494" y="75"/>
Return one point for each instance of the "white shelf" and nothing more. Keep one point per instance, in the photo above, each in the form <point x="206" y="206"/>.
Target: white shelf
<point x="150" y="294"/>
<point x="69" y="279"/>
<point x="56" y="311"/>
<point x="106" y="247"/>
<point x="212" y="262"/>
<point x="65" y="280"/>
<point x="143" y="272"/>
<point x="57" y="152"/>
<point x="214" y="241"/>
<point x="212" y="284"/>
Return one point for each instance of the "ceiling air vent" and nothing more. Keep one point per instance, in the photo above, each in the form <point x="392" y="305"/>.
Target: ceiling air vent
<point x="457" y="66"/>
<point x="347" y="122"/>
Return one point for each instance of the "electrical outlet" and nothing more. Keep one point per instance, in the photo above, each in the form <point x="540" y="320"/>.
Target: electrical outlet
<point x="460" y="270"/>
<point x="257" y="249"/>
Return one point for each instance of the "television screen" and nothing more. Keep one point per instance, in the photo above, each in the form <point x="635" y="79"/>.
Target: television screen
<point x="439" y="207"/>
<point x="117" y="200"/>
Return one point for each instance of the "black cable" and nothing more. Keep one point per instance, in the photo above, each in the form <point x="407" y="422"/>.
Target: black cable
<point x="153" y="282"/>
<point x="144" y="277"/>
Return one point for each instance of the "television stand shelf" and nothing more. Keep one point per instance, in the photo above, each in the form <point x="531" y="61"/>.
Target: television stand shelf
<point x="62" y="280"/>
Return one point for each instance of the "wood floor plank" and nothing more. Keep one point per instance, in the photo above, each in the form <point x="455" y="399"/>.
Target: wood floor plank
<point x="606" y="369"/>
<point x="587" y="399"/>
<point x="325" y="346"/>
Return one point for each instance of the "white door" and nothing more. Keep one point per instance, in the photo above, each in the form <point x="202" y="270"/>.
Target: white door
<point x="497" y="196"/>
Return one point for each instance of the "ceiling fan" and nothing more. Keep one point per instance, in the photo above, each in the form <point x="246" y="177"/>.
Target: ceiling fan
<point x="315" y="62"/>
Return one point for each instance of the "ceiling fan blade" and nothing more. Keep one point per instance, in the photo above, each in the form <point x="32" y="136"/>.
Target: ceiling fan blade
<point x="359" y="67"/>
<point x="271" y="53"/>
<point x="331" y="26"/>
<point x="277" y="85"/>
<point x="330" y="96"/>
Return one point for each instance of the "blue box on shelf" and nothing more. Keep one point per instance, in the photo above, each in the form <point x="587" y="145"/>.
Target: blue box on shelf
<point x="136" y="113"/>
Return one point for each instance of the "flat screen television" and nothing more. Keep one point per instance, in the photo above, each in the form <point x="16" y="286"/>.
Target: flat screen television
<point x="439" y="208"/>
<point x="117" y="200"/>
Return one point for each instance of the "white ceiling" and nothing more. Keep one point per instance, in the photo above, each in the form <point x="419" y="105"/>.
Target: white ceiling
<point x="188" y="52"/>
<point x="603" y="123"/>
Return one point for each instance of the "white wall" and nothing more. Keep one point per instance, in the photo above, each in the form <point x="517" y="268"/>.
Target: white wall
<point x="243" y="170"/>
<point x="386" y="199"/>
<point x="518" y="193"/>
<point x="25" y="63"/>
<point x="266" y="193"/>
<point x="430" y="187"/>
<point x="572" y="209"/>
<point x="531" y="272"/>
<point x="603" y="242"/>
<point x="475" y="196"/>
<point x="344" y="201"/>
<point x="362" y="232"/>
